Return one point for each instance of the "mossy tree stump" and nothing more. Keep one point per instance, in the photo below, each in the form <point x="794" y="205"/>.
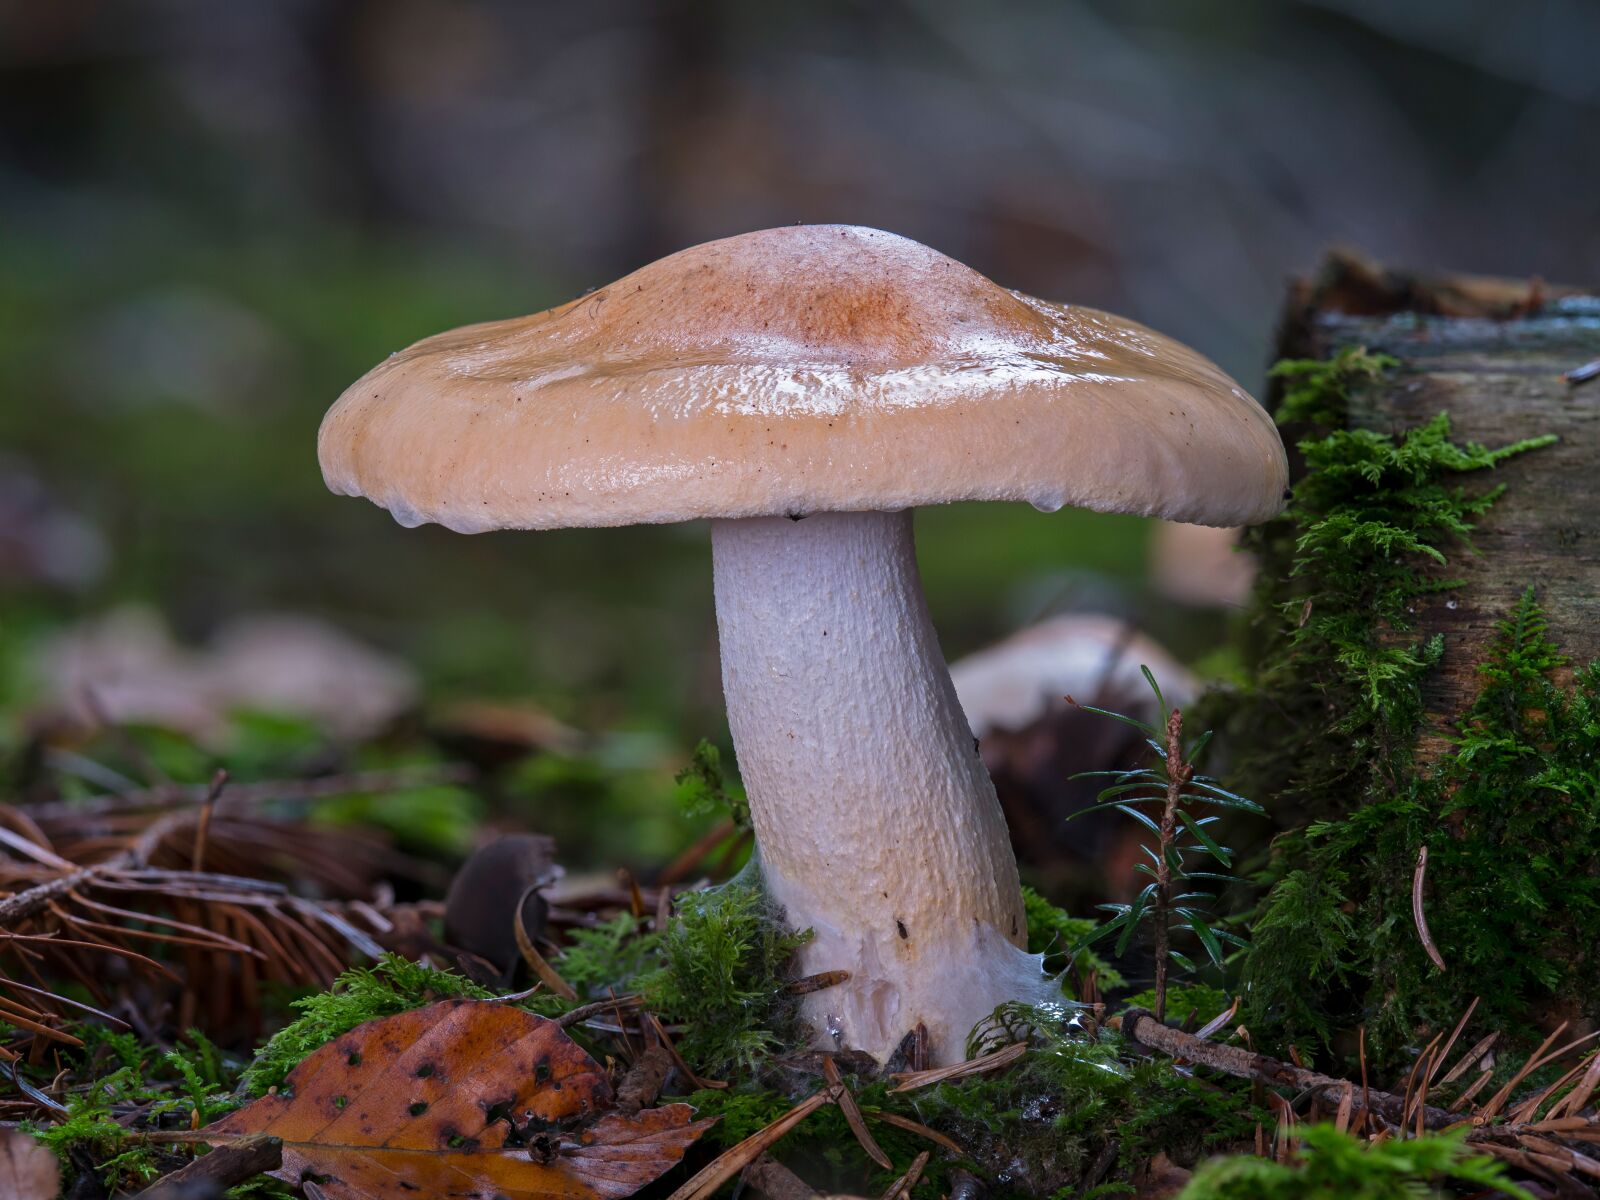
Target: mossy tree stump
<point x="1420" y="712"/>
<point x="1494" y="354"/>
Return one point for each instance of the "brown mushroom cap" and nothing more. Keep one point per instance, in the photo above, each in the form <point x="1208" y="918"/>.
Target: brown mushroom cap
<point x="795" y="370"/>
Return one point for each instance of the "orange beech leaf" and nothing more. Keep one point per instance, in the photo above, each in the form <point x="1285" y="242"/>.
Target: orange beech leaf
<point x="465" y="1099"/>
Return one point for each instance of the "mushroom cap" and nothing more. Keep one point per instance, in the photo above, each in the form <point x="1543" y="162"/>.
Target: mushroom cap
<point x="797" y="370"/>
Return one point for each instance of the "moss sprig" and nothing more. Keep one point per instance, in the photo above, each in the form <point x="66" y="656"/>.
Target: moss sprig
<point x="1335" y="1166"/>
<point x="724" y="962"/>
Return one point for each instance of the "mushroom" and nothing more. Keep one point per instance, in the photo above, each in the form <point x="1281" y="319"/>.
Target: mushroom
<point x="1037" y="747"/>
<point x="806" y="388"/>
<point x="1021" y="681"/>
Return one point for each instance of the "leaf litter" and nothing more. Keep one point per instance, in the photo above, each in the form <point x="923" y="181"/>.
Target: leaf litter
<point x="461" y="1098"/>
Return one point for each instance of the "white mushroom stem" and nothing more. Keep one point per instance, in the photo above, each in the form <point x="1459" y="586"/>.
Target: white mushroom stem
<point x="877" y="824"/>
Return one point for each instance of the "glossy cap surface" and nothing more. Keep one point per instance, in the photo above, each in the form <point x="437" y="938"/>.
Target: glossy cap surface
<point x="797" y="370"/>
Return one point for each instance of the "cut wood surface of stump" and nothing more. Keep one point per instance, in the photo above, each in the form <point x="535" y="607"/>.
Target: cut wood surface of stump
<point x="1496" y="355"/>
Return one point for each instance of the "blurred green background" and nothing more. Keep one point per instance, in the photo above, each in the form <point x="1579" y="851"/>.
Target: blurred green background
<point x="215" y="216"/>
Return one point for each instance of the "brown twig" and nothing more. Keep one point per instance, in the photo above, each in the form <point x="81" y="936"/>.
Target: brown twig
<point x="584" y="1011"/>
<point x="1418" y="878"/>
<point x="1589" y="370"/>
<point x="852" y="1114"/>
<point x="219" y="1170"/>
<point x="1579" y="1096"/>
<point x="683" y="1066"/>
<point x="907" y="1081"/>
<point x="1210" y="1028"/>
<point x="902" y="1186"/>
<point x="202" y="825"/>
<point x="537" y="962"/>
<point x="30" y="902"/>
<point x="735" y="1159"/>
<point x="921" y="1130"/>
<point x="1450" y="1042"/>
<point x="1143" y="1029"/>
<point x="822" y="980"/>
<point x="1472" y="1056"/>
<point x="1178" y="773"/>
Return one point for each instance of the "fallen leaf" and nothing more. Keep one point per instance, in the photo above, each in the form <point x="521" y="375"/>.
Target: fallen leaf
<point x="463" y="1099"/>
<point x="28" y="1171"/>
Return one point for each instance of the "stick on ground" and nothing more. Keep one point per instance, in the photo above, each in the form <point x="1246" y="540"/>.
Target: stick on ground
<point x="220" y="1170"/>
<point x="1143" y="1029"/>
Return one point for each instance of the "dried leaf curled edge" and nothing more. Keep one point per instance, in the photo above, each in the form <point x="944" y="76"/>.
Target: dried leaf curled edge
<point x="467" y="1099"/>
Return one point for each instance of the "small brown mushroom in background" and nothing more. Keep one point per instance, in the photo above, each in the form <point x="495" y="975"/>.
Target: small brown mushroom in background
<point x="493" y="735"/>
<point x="1034" y="742"/>
<point x="480" y="908"/>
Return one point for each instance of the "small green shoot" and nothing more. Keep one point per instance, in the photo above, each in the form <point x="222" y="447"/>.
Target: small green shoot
<point x="1169" y="904"/>
<point x="703" y="787"/>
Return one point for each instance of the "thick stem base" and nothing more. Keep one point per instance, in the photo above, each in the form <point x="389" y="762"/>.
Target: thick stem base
<point x="877" y="824"/>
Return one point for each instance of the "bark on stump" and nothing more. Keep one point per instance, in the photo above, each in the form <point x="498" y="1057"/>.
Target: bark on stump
<point x="1504" y="358"/>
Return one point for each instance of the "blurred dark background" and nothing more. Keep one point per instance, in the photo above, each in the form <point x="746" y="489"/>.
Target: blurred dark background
<point x="213" y="216"/>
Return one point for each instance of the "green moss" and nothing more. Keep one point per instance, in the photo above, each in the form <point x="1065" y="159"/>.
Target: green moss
<point x="703" y="788"/>
<point x="263" y="1187"/>
<point x="724" y="961"/>
<point x="609" y="957"/>
<point x="1035" y="1129"/>
<point x="822" y="1148"/>
<point x="89" y="1132"/>
<point x="1334" y="700"/>
<point x="1042" y="1126"/>
<point x="1317" y="392"/>
<point x="1335" y="1166"/>
<point x="169" y="1089"/>
<point x="1327" y="727"/>
<point x="1185" y="1002"/>
<point x="719" y="969"/>
<point x="1511" y="819"/>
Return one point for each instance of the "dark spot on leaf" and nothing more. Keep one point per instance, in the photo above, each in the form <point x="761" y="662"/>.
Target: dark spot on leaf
<point x="900" y="926"/>
<point x="417" y="1109"/>
<point x="424" y="1070"/>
